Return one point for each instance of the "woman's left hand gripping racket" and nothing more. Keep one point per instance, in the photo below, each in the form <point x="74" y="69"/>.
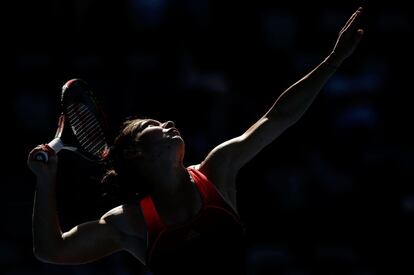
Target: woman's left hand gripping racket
<point x="82" y="126"/>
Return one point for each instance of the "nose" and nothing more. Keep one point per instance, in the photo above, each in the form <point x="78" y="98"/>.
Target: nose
<point x="168" y="124"/>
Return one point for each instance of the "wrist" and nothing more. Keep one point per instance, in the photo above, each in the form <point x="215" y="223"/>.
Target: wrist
<point x="332" y="65"/>
<point x="46" y="182"/>
<point x="333" y="61"/>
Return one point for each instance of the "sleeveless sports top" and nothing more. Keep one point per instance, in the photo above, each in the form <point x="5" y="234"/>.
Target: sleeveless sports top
<point x="210" y="243"/>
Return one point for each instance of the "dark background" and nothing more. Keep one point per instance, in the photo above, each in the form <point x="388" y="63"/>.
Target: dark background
<point x="333" y="195"/>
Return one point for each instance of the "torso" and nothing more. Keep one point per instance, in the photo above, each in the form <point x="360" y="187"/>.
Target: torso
<point x="131" y="220"/>
<point x="210" y="237"/>
<point x="181" y="209"/>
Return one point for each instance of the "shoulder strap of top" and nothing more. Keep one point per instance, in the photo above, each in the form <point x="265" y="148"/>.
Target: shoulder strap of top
<point x="152" y="219"/>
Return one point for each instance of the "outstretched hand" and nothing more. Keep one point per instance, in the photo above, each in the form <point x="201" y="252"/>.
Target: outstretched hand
<point x="348" y="39"/>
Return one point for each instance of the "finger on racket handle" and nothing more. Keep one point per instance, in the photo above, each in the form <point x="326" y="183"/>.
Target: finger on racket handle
<point x="56" y="145"/>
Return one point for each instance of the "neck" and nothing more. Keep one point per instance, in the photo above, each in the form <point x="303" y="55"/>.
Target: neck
<point x="169" y="181"/>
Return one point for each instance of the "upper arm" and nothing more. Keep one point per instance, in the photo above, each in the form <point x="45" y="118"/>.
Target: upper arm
<point x="88" y="242"/>
<point x="93" y="240"/>
<point x="243" y="148"/>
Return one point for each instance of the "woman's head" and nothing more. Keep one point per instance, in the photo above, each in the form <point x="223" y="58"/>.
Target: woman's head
<point x="149" y="141"/>
<point x="141" y="148"/>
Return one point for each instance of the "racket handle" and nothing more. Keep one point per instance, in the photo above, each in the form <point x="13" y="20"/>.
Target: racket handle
<point x="56" y="144"/>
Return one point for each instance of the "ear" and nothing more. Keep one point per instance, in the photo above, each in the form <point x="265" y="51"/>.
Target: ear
<point x="131" y="153"/>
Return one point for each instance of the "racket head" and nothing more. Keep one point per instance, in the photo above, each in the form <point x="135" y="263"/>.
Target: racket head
<point x="82" y="112"/>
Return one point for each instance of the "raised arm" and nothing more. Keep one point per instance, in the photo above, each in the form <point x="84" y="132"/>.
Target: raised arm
<point x="84" y="243"/>
<point x="288" y="108"/>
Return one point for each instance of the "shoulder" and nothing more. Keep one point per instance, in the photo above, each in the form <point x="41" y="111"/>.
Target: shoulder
<point x="130" y="225"/>
<point x="224" y="182"/>
<point x="128" y="219"/>
<point x="218" y="169"/>
<point x="219" y="166"/>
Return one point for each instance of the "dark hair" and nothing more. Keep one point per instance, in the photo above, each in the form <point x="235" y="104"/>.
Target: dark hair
<point x="121" y="180"/>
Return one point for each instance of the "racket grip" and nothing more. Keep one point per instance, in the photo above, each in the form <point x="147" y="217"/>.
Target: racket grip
<point x="56" y="144"/>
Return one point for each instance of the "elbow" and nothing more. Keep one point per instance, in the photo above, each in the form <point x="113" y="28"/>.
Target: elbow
<point x="42" y="256"/>
<point x="46" y="255"/>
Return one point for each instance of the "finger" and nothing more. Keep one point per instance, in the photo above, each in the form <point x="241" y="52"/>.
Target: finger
<point x="351" y="19"/>
<point x="36" y="149"/>
<point x="356" y="38"/>
<point x="348" y="22"/>
<point x="353" y="24"/>
<point x="49" y="150"/>
<point x="32" y="155"/>
<point x="359" y="34"/>
<point x="41" y="148"/>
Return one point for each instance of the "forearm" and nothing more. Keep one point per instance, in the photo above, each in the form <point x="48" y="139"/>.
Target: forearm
<point x="47" y="235"/>
<point x="295" y="100"/>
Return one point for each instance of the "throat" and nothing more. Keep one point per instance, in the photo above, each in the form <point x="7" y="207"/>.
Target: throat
<point x="181" y="207"/>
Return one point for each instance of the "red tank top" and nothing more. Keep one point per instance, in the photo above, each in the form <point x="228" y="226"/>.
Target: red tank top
<point x="210" y="243"/>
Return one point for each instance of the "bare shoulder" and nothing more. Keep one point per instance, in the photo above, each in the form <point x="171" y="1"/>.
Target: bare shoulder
<point x="218" y="167"/>
<point x="128" y="219"/>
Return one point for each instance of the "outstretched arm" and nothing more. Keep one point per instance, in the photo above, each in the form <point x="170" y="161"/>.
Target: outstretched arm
<point x="293" y="102"/>
<point x="288" y="107"/>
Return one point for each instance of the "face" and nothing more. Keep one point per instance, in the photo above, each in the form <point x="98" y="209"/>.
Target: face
<point x="158" y="139"/>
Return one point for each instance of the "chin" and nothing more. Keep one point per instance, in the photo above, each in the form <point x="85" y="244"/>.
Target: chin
<point x="174" y="143"/>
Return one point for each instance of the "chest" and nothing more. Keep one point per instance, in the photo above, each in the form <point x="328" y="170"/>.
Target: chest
<point x="214" y="233"/>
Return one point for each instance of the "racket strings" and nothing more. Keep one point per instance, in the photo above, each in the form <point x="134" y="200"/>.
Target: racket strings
<point x="85" y="125"/>
<point x="87" y="129"/>
<point x="90" y="137"/>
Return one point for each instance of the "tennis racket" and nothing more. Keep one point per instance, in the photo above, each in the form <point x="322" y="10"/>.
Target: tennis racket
<point x="81" y="126"/>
